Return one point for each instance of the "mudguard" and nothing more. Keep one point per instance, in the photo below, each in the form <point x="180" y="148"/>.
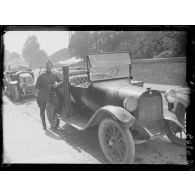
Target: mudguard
<point x="172" y="117"/>
<point x="13" y="82"/>
<point x="123" y="117"/>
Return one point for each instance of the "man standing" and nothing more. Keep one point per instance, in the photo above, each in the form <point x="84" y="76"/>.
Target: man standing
<point x="43" y="84"/>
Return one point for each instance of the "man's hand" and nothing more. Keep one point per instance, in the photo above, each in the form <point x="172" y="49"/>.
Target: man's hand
<point x="55" y="85"/>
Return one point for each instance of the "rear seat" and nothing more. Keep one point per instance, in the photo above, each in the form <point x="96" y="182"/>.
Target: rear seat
<point x="77" y="72"/>
<point x="78" y="80"/>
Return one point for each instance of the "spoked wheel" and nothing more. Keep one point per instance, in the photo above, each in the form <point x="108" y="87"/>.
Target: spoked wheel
<point x="15" y="93"/>
<point x="9" y="91"/>
<point x="176" y="134"/>
<point x="52" y="117"/>
<point x="6" y="91"/>
<point x="116" y="142"/>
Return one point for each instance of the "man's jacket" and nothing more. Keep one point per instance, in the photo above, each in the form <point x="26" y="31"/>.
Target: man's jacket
<point x="44" y="83"/>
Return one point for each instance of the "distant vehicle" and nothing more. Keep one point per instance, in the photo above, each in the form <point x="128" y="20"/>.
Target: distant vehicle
<point x="19" y="84"/>
<point x="104" y="95"/>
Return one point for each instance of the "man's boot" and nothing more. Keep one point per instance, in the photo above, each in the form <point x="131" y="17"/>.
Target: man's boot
<point x="43" y="121"/>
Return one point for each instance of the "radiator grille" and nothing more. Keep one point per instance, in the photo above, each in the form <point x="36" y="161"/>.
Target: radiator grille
<point x="150" y="107"/>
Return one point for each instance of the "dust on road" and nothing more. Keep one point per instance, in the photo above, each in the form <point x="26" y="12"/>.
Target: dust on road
<point x="159" y="151"/>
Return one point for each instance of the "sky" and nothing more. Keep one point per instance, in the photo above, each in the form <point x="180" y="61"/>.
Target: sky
<point x="50" y="41"/>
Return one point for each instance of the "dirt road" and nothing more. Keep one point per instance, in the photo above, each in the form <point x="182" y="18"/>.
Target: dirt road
<point x="26" y="142"/>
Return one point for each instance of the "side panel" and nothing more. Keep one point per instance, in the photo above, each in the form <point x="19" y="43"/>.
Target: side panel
<point x="98" y="96"/>
<point x="95" y="99"/>
<point x="79" y="94"/>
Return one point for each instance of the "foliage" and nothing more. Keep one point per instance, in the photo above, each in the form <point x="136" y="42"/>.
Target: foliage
<point x="79" y="43"/>
<point x="14" y="55"/>
<point x="32" y="52"/>
<point x="142" y="44"/>
<point x="11" y="58"/>
<point x="60" y="55"/>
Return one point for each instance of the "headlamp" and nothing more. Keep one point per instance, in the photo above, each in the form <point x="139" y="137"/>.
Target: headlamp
<point x="130" y="104"/>
<point x="170" y="96"/>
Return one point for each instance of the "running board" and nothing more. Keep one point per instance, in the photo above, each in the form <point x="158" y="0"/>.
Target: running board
<point x="79" y="122"/>
<point x="152" y="137"/>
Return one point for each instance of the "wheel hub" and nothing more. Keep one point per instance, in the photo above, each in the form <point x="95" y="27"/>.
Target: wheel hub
<point x="110" y="143"/>
<point x="116" y="142"/>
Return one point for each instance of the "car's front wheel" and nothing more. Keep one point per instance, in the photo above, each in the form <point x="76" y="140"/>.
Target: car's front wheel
<point x="176" y="134"/>
<point x="51" y="115"/>
<point x="116" y="142"/>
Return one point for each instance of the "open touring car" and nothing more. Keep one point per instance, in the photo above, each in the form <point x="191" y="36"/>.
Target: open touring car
<point x="106" y="97"/>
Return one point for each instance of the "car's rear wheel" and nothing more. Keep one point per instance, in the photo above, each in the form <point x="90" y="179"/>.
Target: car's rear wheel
<point x="6" y="91"/>
<point x="15" y="93"/>
<point x="176" y="134"/>
<point x="116" y="142"/>
<point x="51" y="115"/>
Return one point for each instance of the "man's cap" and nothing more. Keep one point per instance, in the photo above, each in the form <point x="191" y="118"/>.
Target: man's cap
<point x="49" y="62"/>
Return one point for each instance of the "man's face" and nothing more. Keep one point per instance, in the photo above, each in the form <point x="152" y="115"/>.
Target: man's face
<point x="49" y="66"/>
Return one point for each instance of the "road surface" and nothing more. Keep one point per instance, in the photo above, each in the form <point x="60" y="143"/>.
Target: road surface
<point x="25" y="141"/>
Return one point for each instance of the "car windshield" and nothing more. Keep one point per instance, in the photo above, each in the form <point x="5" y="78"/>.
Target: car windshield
<point x="109" y="66"/>
<point x="27" y="78"/>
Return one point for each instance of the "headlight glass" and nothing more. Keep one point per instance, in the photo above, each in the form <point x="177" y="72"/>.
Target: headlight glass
<point x="170" y="95"/>
<point x="130" y="104"/>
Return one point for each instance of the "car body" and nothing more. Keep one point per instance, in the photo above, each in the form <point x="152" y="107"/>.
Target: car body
<point x="125" y="112"/>
<point x="180" y="95"/>
<point x="178" y="102"/>
<point x="19" y="84"/>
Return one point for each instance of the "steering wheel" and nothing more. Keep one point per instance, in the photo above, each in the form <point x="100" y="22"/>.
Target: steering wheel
<point x="114" y="72"/>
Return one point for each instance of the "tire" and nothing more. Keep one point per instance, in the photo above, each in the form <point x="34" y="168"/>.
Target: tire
<point x="8" y="91"/>
<point x="176" y="134"/>
<point x="15" y="93"/>
<point x="116" y="142"/>
<point x="52" y="117"/>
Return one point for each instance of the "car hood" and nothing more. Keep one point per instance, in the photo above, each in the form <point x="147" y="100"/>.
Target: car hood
<point x="119" y="88"/>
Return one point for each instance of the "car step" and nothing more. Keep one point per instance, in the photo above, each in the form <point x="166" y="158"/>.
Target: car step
<point x="78" y="122"/>
<point x="152" y="137"/>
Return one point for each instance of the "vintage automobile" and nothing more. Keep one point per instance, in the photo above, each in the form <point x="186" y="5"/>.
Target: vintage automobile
<point x="19" y="84"/>
<point x="178" y="102"/>
<point x="105" y="95"/>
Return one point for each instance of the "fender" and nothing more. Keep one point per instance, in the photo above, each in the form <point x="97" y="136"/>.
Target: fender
<point x="14" y="82"/>
<point x="183" y="99"/>
<point x="123" y="117"/>
<point x="172" y="117"/>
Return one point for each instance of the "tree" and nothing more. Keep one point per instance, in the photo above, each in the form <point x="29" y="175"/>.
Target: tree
<point x="142" y="44"/>
<point x="11" y="58"/>
<point x="79" y="43"/>
<point x="32" y="53"/>
<point x="14" y="55"/>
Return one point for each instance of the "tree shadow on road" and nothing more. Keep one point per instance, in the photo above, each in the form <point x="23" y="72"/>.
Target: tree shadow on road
<point x="145" y="153"/>
<point x="53" y="135"/>
<point x="82" y="141"/>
